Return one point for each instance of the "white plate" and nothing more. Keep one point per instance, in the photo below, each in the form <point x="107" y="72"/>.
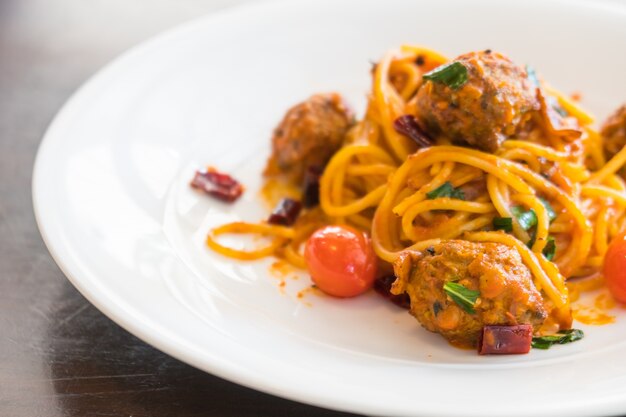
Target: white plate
<point x="112" y="200"/>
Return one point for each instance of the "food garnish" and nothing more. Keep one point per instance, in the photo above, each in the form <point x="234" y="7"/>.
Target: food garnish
<point x="446" y="190"/>
<point x="503" y="223"/>
<point x="505" y="340"/>
<point x="464" y="297"/>
<point x="285" y="213"/>
<point x="561" y="337"/>
<point x="216" y="184"/>
<point x="407" y="125"/>
<point x="382" y="286"/>
<point x="551" y="213"/>
<point x="527" y="219"/>
<point x="550" y="249"/>
<point x="532" y="76"/>
<point x="453" y="75"/>
<point x="311" y="186"/>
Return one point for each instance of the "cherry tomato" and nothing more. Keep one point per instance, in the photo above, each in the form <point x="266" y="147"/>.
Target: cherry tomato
<point x="341" y="261"/>
<point x="615" y="268"/>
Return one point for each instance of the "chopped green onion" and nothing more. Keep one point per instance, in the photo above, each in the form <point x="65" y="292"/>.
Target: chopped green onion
<point x="526" y="219"/>
<point x="503" y="223"/>
<point x="446" y="190"/>
<point x="560" y="110"/>
<point x="532" y="76"/>
<point x="562" y="337"/>
<point x="551" y="213"/>
<point x="454" y="75"/>
<point x="464" y="297"/>
<point x="550" y="249"/>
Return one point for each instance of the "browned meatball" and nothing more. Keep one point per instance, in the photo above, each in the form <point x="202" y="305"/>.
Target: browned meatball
<point x="309" y="134"/>
<point x="493" y="105"/>
<point x="614" y="132"/>
<point x="507" y="293"/>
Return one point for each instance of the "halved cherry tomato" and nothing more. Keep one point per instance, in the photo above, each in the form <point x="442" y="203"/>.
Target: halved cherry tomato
<point x="615" y="268"/>
<point x="341" y="261"/>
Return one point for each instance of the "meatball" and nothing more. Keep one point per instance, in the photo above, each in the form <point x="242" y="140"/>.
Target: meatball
<point x="493" y="105"/>
<point x="507" y="293"/>
<point x="309" y="134"/>
<point x="614" y="132"/>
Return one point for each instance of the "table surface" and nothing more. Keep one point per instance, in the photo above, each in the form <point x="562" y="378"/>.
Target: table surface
<point x="59" y="356"/>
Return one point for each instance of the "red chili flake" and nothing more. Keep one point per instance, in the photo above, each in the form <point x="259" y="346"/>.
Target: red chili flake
<point x="285" y="213"/>
<point x="311" y="186"/>
<point x="505" y="339"/>
<point x="407" y="125"/>
<point x="217" y="184"/>
<point x="557" y="119"/>
<point x="382" y="286"/>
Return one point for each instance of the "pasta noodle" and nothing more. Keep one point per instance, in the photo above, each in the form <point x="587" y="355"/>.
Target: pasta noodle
<point x="380" y="181"/>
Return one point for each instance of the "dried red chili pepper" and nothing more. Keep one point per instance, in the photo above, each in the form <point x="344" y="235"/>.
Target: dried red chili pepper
<point x="407" y="125"/>
<point x="505" y="339"/>
<point x="285" y="213"/>
<point x="558" y="123"/>
<point x="217" y="184"/>
<point x="311" y="186"/>
<point x="382" y="286"/>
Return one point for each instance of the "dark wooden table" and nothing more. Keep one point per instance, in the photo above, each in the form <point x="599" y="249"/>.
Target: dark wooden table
<point x="59" y="356"/>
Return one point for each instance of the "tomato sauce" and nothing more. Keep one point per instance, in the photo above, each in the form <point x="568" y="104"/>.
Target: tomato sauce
<point x="282" y="270"/>
<point x="598" y="313"/>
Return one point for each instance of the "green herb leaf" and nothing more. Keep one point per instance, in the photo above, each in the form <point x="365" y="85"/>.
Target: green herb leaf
<point x="532" y="76"/>
<point x="503" y="223"/>
<point x="562" y="337"/>
<point x="551" y="213"/>
<point x="560" y="110"/>
<point x="526" y="219"/>
<point x="454" y="75"/>
<point x="464" y="297"/>
<point x="550" y="249"/>
<point x="446" y="190"/>
<point x="553" y="103"/>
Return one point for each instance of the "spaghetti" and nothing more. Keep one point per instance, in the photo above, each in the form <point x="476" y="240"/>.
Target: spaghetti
<point x="382" y="182"/>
